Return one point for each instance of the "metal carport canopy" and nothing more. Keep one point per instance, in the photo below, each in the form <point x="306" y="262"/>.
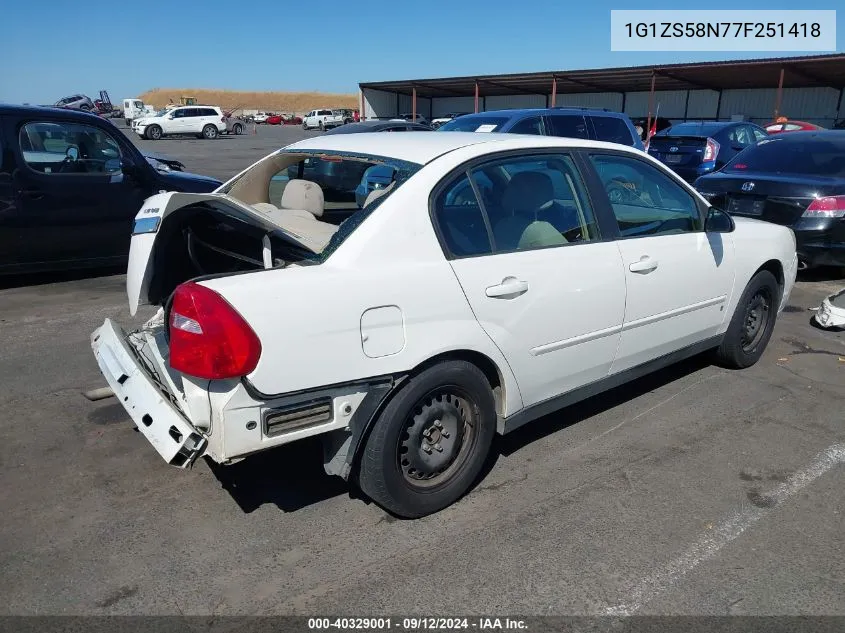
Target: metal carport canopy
<point x="799" y="72"/>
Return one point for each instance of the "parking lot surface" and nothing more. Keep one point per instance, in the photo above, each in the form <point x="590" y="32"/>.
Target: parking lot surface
<point x="695" y="490"/>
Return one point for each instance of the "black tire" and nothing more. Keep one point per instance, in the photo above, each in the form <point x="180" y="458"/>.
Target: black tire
<point x="321" y="126"/>
<point x="238" y="129"/>
<point x="153" y="132"/>
<point x="752" y="323"/>
<point x="404" y="467"/>
<point x="210" y="132"/>
<point x="304" y="125"/>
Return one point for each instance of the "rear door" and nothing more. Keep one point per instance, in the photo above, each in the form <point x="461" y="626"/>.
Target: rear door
<point x="567" y="125"/>
<point x="678" y="277"/>
<point x="543" y="282"/>
<point x="611" y="129"/>
<point x="75" y="201"/>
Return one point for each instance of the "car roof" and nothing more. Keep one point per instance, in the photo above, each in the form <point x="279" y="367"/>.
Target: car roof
<point x="801" y="136"/>
<point x="518" y="112"/>
<point x="364" y="126"/>
<point x="424" y="148"/>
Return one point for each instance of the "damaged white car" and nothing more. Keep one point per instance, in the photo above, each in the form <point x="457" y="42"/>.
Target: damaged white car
<point x="831" y="313"/>
<point x="496" y="279"/>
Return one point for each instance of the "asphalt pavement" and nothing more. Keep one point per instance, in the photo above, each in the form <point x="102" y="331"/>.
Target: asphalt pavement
<point x="695" y="490"/>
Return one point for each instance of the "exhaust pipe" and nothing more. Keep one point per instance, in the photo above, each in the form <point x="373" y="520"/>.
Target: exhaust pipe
<point x="98" y="394"/>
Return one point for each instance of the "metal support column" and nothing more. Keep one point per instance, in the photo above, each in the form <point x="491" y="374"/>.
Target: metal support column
<point x="719" y="105"/>
<point x="414" y="104"/>
<point x="554" y="91"/>
<point x="650" y="105"/>
<point x="779" y="96"/>
<point x="476" y="96"/>
<point x="686" y="106"/>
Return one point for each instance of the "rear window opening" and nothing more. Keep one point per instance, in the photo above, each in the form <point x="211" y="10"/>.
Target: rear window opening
<point x="811" y="157"/>
<point x="293" y="209"/>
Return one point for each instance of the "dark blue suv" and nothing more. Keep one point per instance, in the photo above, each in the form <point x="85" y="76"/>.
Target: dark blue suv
<point x="587" y="123"/>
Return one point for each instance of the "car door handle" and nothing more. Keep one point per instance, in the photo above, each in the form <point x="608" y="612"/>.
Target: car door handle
<point x="510" y="287"/>
<point x="644" y="266"/>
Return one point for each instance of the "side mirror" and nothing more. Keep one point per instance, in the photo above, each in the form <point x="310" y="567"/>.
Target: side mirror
<point x="113" y="166"/>
<point x="718" y="221"/>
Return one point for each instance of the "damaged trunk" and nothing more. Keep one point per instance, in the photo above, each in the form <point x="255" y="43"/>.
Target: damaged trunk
<point x="179" y="237"/>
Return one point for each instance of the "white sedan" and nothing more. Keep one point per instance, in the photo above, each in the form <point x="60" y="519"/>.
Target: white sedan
<point x="493" y="280"/>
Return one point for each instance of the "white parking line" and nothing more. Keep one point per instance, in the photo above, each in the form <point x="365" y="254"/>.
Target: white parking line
<point x="725" y="532"/>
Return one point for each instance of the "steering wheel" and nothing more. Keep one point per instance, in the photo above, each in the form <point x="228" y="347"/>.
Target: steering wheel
<point x="619" y="193"/>
<point x="71" y="156"/>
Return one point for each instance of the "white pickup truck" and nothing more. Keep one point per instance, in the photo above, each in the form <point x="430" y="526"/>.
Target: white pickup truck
<point x="322" y="119"/>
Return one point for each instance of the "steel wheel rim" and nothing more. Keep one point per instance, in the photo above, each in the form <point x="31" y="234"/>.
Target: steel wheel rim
<point x="756" y="319"/>
<point x="437" y="438"/>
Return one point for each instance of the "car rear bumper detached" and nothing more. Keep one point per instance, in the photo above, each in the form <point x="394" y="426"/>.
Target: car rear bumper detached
<point x="146" y="401"/>
<point x="831" y="313"/>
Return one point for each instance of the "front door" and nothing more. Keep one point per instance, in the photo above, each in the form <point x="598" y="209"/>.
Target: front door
<point x="544" y="285"/>
<point x="74" y="200"/>
<point x="678" y="276"/>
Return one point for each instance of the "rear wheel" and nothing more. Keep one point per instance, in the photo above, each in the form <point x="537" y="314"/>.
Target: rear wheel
<point x="752" y="323"/>
<point x="430" y="443"/>
<point x="238" y="129"/>
<point x="209" y="132"/>
<point x="153" y="132"/>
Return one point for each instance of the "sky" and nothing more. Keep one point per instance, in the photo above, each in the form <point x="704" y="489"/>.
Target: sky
<point x="61" y="47"/>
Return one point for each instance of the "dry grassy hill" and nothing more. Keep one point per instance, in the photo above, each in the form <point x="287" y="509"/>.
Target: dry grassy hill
<point x="273" y="101"/>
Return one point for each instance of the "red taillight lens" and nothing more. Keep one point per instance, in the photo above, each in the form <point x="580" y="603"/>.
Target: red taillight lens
<point x="711" y="150"/>
<point x="208" y="338"/>
<point x="827" y="207"/>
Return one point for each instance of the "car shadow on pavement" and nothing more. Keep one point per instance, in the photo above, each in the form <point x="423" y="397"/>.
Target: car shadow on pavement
<point x="515" y="441"/>
<point x="290" y="477"/>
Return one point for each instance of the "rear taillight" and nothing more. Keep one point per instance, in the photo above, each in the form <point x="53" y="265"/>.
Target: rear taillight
<point x="711" y="150"/>
<point x="827" y="207"/>
<point x="208" y="338"/>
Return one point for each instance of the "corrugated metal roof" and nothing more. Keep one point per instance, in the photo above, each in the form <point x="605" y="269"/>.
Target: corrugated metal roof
<point x="799" y="72"/>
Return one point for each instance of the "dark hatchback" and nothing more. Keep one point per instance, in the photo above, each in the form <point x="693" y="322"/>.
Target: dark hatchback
<point x="795" y="179"/>
<point x="70" y="186"/>
<point x="693" y="149"/>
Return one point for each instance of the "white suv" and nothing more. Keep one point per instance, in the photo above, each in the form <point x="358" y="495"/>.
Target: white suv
<point x="202" y="121"/>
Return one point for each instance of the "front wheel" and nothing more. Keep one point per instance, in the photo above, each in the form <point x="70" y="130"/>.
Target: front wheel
<point x="304" y="126"/>
<point x="752" y="323"/>
<point x="430" y="443"/>
<point x="153" y="133"/>
<point x="209" y="132"/>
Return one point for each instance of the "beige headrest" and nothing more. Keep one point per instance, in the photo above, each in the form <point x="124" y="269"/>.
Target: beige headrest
<point x="375" y="194"/>
<point x="303" y="194"/>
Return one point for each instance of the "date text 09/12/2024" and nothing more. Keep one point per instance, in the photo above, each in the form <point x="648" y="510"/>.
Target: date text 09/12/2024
<point x="417" y="624"/>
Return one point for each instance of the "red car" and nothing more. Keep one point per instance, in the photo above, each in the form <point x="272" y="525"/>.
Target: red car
<point x="279" y="119"/>
<point x="783" y="125"/>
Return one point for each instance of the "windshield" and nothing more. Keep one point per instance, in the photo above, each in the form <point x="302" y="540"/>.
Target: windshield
<point x="816" y="157"/>
<point x="474" y="124"/>
<point x="161" y="112"/>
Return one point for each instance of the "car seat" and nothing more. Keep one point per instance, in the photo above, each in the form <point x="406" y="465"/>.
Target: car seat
<point x="302" y="205"/>
<point x="526" y="196"/>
